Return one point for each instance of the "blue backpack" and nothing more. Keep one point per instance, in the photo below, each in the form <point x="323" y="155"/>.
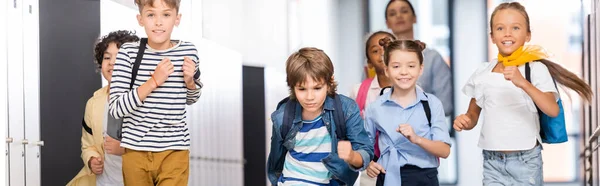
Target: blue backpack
<point x="552" y="129"/>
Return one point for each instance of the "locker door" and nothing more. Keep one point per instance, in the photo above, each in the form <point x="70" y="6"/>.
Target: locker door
<point x="15" y="93"/>
<point x="3" y="90"/>
<point x="32" y="94"/>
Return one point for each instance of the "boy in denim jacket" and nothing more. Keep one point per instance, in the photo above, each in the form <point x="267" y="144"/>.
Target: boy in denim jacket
<point x="310" y="152"/>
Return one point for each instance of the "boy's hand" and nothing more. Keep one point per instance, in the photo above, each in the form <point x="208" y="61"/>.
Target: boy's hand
<point x="113" y="146"/>
<point x="162" y="71"/>
<point x="462" y="122"/>
<point x="409" y="133"/>
<point x="96" y="165"/>
<point x="374" y="169"/>
<point x="189" y="68"/>
<point x="512" y="73"/>
<point x="345" y="151"/>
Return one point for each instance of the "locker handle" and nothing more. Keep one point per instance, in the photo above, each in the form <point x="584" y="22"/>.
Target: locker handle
<point x="9" y="140"/>
<point x="38" y="143"/>
<point x="25" y="142"/>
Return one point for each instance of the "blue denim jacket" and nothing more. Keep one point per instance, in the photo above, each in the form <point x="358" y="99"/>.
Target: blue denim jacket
<point x="355" y="131"/>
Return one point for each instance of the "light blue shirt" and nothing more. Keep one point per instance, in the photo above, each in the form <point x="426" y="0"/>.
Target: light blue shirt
<point x="385" y="115"/>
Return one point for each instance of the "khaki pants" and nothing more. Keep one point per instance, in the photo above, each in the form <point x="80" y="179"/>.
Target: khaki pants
<point x="143" y="168"/>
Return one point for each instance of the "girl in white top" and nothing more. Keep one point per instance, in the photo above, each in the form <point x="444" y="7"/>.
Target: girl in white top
<point x="510" y="128"/>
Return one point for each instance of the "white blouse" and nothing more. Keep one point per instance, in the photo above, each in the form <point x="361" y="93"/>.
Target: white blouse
<point x="508" y="117"/>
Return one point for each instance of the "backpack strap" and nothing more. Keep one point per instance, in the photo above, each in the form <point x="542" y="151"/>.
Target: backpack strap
<point x="527" y="72"/>
<point x="383" y="89"/>
<point x="424" y="102"/>
<point x="86" y="127"/>
<point x="427" y="110"/>
<point x="361" y="98"/>
<point x="339" y="118"/>
<point x="290" y="112"/>
<point x="288" y="115"/>
<point x="138" y="61"/>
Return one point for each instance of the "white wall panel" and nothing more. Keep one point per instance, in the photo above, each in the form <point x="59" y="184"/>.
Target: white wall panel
<point x="215" y="121"/>
<point x="3" y="91"/>
<point x="15" y="92"/>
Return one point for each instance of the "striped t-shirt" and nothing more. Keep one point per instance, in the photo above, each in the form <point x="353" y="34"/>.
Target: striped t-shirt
<point x="303" y="164"/>
<point x="157" y="123"/>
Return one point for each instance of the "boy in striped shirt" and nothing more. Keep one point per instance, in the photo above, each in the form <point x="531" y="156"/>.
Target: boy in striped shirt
<point x="311" y="152"/>
<point x="155" y="134"/>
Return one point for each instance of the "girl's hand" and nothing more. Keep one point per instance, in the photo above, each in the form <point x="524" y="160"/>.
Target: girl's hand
<point x="462" y="122"/>
<point x="409" y="133"/>
<point x="512" y="73"/>
<point x="374" y="169"/>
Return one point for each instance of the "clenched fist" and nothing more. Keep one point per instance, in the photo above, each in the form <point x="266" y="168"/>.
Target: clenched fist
<point x="345" y="151"/>
<point x="512" y="73"/>
<point x="462" y="122"/>
<point x="96" y="165"/>
<point x="189" y="69"/>
<point x="162" y="71"/>
<point x="409" y="133"/>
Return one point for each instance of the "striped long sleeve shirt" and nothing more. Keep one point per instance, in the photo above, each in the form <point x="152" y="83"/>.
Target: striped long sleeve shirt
<point x="157" y="123"/>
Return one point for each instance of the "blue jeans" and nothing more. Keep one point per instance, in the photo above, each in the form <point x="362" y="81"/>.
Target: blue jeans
<point x="517" y="168"/>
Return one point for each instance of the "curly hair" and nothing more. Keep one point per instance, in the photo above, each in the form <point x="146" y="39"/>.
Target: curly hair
<point x="118" y="37"/>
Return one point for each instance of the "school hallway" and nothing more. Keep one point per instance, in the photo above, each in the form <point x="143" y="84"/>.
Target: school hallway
<point x="47" y="75"/>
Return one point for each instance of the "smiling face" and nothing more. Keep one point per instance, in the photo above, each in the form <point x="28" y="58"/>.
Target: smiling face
<point x="375" y="54"/>
<point x="158" y="21"/>
<point x="108" y="60"/>
<point x="510" y="30"/>
<point x="404" y="69"/>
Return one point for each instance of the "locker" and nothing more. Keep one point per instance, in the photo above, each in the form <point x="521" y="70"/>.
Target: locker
<point x="31" y="65"/>
<point x="16" y="109"/>
<point x="3" y="91"/>
<point x="20" y="91"/>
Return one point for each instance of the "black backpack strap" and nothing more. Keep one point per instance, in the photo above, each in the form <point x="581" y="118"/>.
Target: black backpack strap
<point x="288" y="116"/>
<point x="339" y="118"/>
<point x="383" y="89"/>
<point x="527" y="72"/>
<point x="86" y="127"/>
<point x="138" y="61"/>
<point x="427" y="111"/>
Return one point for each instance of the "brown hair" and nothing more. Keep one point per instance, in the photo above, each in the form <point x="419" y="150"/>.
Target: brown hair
<point x="558" y="73"/>
<point x="309" y="62"/>
<point x="171" y="3"/>
<point x="390" y="35"/>
<point x="407" y="2"/>
<point x="389" y="46"/>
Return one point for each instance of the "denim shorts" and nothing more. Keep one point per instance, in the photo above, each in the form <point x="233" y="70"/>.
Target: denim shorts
<point x="517" y="168"/>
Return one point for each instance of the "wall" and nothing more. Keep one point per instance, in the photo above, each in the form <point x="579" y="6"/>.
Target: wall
<point x="469" y="32"/>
